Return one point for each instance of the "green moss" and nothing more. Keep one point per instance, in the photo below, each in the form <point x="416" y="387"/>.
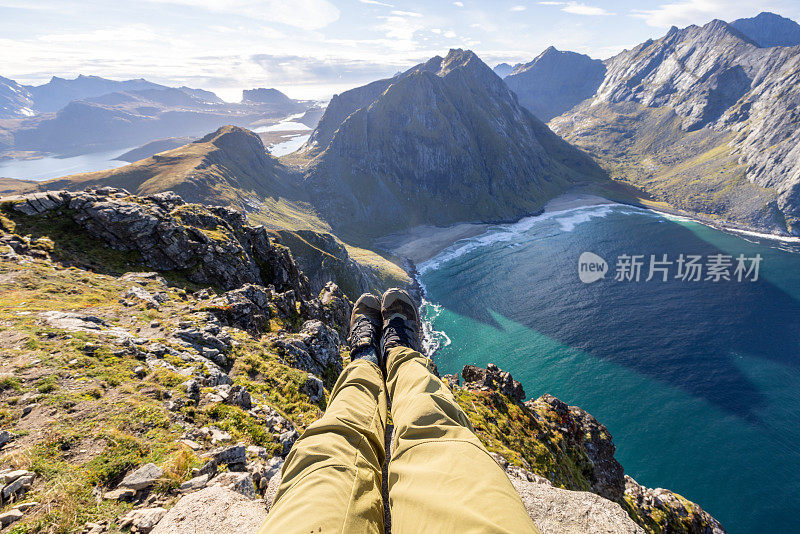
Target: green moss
<point x="525" y="439"/>
<point x="10" y="383"/>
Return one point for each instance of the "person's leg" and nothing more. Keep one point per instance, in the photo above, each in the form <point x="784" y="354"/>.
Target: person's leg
<point x="441" y="478"/>
<point x="332" y="476"/>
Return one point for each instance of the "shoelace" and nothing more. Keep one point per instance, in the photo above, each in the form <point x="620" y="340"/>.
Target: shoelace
<point x="364" y="327"/>
<point x="397" y="332"/>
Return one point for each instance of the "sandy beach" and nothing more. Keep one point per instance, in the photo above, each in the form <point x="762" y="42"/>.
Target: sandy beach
<point x="422" y="243"/>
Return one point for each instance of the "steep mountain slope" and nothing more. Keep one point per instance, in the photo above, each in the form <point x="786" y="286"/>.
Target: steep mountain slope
<point x="768" y="29"/>
<point x="736" y="99"/>
<point x="443" y="142"/>
<point x="555" y="81"/>
<point x="342" y="106"/>
<point x="58" y="92"/>
<point x="15" y="100"/>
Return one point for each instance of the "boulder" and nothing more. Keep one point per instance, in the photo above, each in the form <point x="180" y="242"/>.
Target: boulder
<point x="230" y="455"/>
<point x="17" y="487"/>
<point x="142" y="478"/>
<point x="315" y="349"/>
<point x="138" y="294"/>
<point x="241" y="483"/>
<point x="12" y="475"/>
<point x="12" y="516"/>
<point x="287" y="440"/>
<point x="120" y="494"/>
<point x="5" y="437"/>
<point x="213" y="510"/>
<point x="313" y="388"/>
<point x="239" y="396"/>
<point x="196" y="483"/>
<point x="142" y="520"/>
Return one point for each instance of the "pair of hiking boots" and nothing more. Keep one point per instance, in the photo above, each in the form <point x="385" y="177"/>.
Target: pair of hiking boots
<point x="376" y="325"/>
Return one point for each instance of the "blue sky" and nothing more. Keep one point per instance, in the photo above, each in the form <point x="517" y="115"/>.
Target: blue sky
<point x="313" y="48"/>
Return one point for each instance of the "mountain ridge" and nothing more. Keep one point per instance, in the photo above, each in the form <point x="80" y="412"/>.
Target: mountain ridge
<point x="721" y="86"/>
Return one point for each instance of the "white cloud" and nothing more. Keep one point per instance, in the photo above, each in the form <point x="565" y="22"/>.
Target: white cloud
<point x="458" y="4"/>
<point x="406" y="13"/>
<point x="304" y="14"/>
<point x="450" y="34"/>
<point x="375" y="3"/>
<point x="518" y="8"/>
<point x="582" y="9"/>
<point x="684" y="13"/>
<point x="577" y="8"/>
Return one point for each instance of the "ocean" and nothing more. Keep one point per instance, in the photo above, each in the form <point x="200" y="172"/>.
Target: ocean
<point x="698" y="381"/>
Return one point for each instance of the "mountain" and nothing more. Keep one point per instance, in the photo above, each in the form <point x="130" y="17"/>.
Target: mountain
<point x="704" y="119"/>
<point x="502" y="69"/>
<point x="768" y="29"/>
<point x="59" y="92"/>
<point x="555" y="81"/>
<point x="202" y="95"/>
<point x="226" y="167"/>
<point x="444" y="142"/>
<point x="265" y="96"/>
<point x="15" y="100"/>
<point x="130" y="118"/>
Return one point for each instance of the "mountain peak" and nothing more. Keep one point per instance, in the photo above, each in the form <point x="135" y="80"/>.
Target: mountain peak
<point x="456" y="58"/>
<point x="721" y="29"/>
<point x="554" y="81"/>
<point x="503" y="69"/>
<point x="234" y="136"/>
<point x="768" y="29"/>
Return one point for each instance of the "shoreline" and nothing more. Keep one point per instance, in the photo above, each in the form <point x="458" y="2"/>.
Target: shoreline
<point x="422" y="243"/>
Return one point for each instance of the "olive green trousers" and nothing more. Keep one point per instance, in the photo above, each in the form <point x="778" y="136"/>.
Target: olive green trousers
<point x="441" y="478"/>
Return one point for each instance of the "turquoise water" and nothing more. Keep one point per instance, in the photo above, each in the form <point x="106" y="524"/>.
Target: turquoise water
<point x="698" y="382"/>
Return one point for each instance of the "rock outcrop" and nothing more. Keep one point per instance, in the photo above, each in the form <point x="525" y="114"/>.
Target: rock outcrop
<point x="492" y="379"/>
<point x="570" y="512"/>
<point x="213" y="245"/>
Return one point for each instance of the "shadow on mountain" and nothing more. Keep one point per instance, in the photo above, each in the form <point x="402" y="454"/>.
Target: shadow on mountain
<point x="684" y="334"/>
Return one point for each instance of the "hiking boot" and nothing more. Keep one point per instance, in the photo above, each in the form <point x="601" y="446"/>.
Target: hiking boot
<point x="401" y="326"/>
<point x="365" y="329"/>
